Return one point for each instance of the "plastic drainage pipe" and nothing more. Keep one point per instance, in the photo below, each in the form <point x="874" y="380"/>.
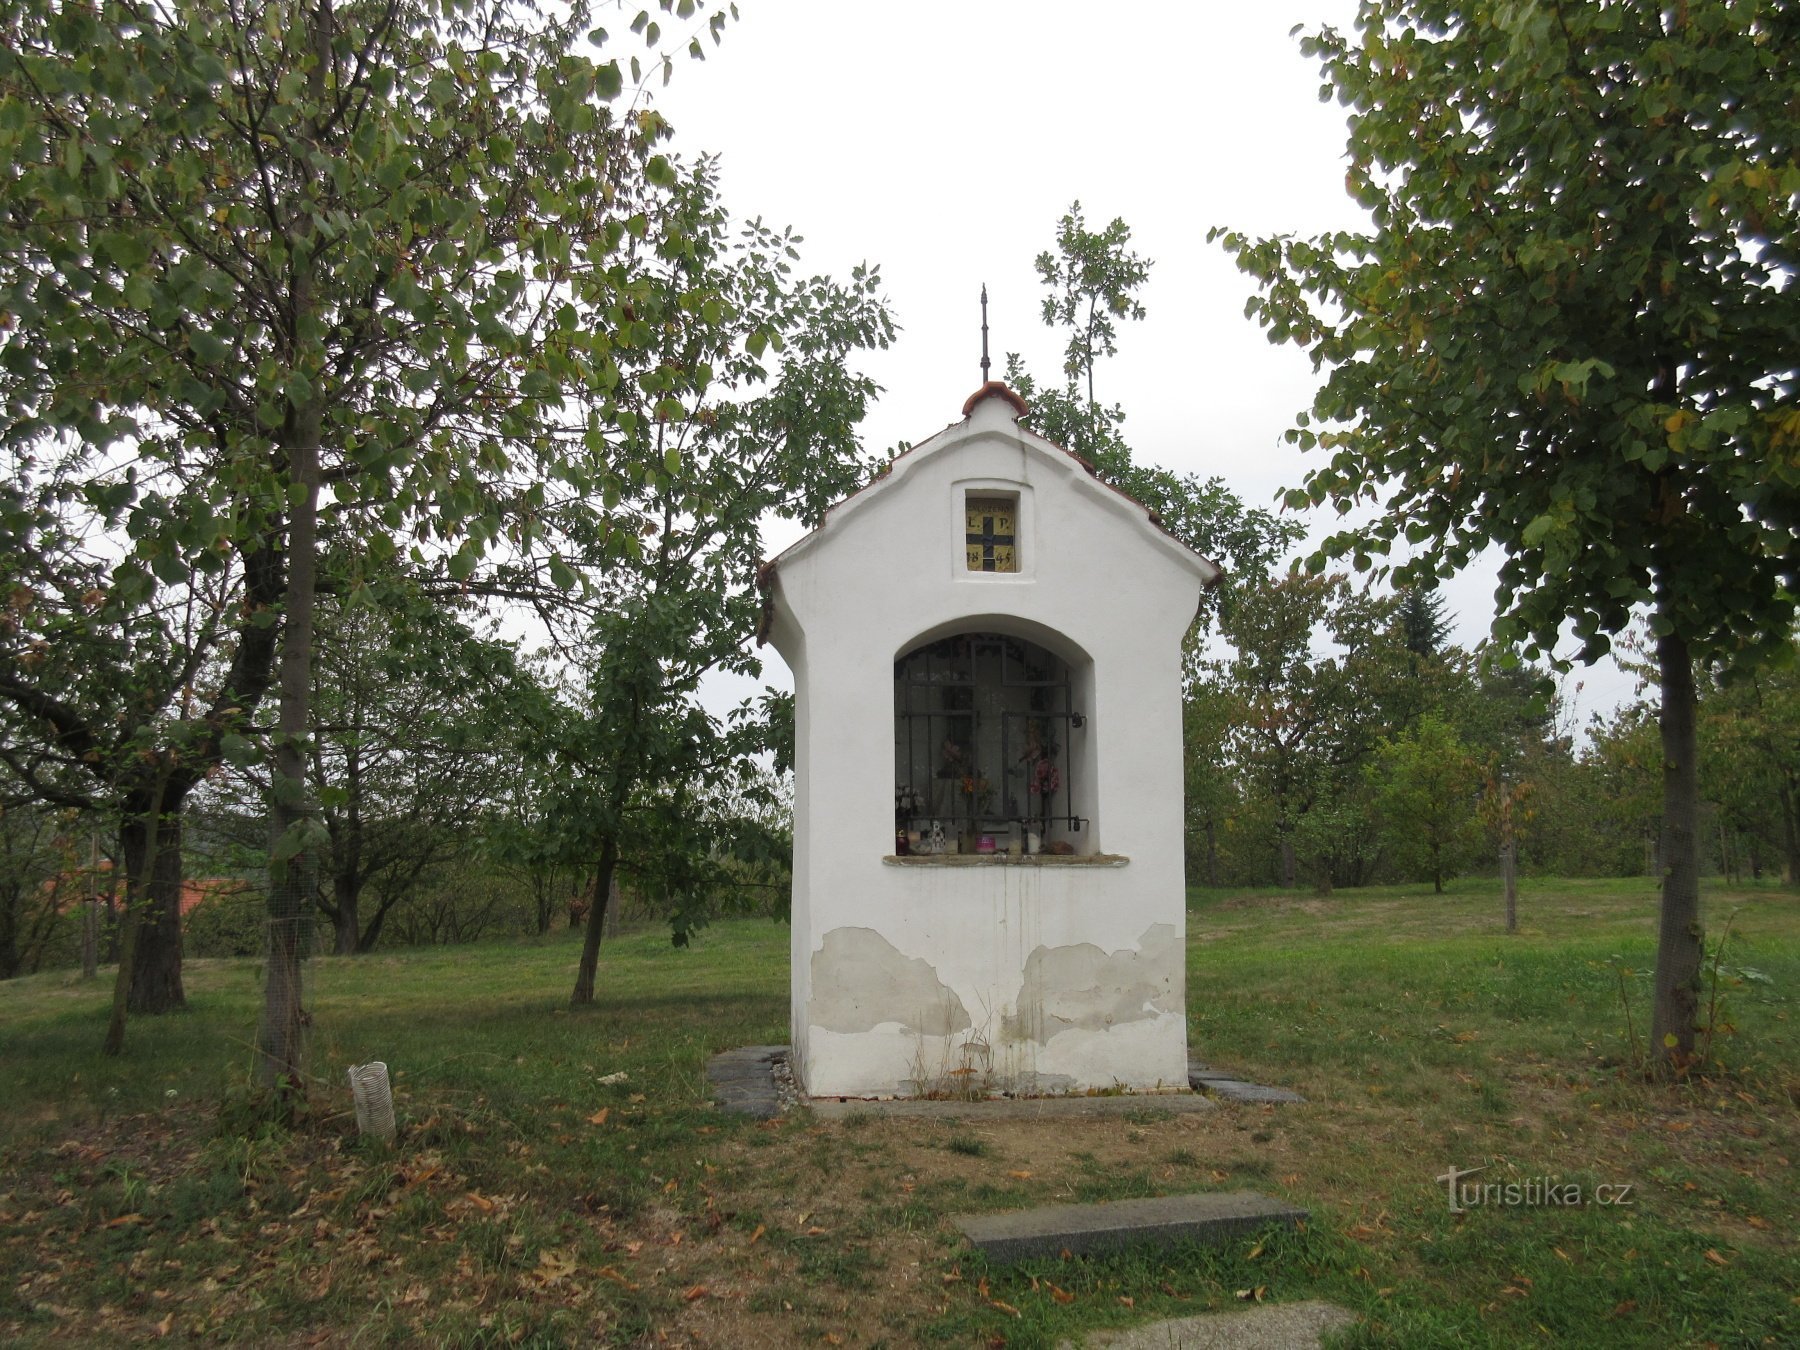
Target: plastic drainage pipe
<point x="374" y="1099"/>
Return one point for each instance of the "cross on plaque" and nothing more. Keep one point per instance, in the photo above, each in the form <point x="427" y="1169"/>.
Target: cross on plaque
<point x="990" y="538"/>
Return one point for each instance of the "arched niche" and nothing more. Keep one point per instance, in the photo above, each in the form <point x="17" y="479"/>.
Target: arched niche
<point x="992" y="739"/>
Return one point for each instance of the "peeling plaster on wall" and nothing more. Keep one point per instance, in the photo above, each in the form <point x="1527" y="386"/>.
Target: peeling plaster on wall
<point x="860" y="980"/>
<point x="1082" y="986"/>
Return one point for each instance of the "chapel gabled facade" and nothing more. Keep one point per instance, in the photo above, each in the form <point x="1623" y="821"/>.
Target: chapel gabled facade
<point x="988" y="879"/>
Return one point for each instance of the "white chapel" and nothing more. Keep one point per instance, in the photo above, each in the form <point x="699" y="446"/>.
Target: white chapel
<point x="988" y="889"/>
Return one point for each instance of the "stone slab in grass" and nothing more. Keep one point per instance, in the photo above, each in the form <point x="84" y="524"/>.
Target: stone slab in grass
<point x="1266" y="1326"/>
<point x="743" y="1080"/>
<point x="1228" y="1087"/>
<point x="1232" y="1090"/>
<point x="1209" y="1217"/>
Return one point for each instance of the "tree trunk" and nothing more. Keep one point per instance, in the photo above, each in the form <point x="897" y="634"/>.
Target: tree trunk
<point x="9" y="935"/>
<point x="1790" y="836"/>
<point x="543" y="899"/>
<point x="156" y="956"/>
<point x="1509" y="879"/>
<point x="1212" y="852"/>
<point x="1288" y="869"/>
<point x="139" y="870"/>
<point x="110" y="925"/>
<point x="346" y="923"/>
<point x="1679" y="937"/>
<point x="293" y="854"/>
<point x="90" y="913"/>
<point x="596" y="923"/>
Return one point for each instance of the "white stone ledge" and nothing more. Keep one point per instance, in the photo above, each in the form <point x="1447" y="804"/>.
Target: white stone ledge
<point x="1005" y="860"/>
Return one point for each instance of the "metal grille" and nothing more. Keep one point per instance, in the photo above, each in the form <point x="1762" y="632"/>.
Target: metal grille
<point x="982" y="724"/>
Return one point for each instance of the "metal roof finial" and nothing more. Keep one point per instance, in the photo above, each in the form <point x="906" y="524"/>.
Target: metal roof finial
<point x="984" y="340"/>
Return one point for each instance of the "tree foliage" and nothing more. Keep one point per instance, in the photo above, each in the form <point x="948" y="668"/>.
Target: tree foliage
<point x="1426" y="783"/>
<point x="1093" y="278"/>
<point x="1570" y="331"/>
<point x="300" y="272"/>
<point x="752" y="407"/>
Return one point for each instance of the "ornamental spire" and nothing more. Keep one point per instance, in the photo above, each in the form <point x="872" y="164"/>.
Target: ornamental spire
<point x="984" y="331"/>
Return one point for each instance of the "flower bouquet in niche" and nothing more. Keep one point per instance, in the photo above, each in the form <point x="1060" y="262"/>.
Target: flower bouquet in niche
<point x="1043" y="779"/>
<point x="978" y="800"/>
<point x="953" y="767"/>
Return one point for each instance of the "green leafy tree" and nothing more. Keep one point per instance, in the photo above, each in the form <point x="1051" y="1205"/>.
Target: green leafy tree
<point x="1310" y="692"/>
<point x="1425" y="782"/>
<point x="42" y="881"/>
<point x="746" y="404"/>
<point x="120" y="688"/>
<point x="1093" y="279"/>
<point x="1750" y="757"/>
<point x="1210" y="797"/>
<point x="1423" y="622"/>
<point x="1569" y="332"/>
<point x="411" y="754"/>
<point x="1623" y="763"/>
<point x="301" y="272"/>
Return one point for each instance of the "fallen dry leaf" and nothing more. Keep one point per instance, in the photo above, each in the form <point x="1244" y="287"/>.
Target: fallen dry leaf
<point x="1254" y="1252"/>
<point x="1715" y="1258"/>
<point x="760" y="1229"/>
<point x="1128" y="1300"/>
<point x="1005" y="1307"/>
<point x="554" y="1265"/>
<point x="599" y="1117"/>
<point x="1060" y="1295"/>
<point x="1021" y="1175"/>
<point x="697" y="1291"/>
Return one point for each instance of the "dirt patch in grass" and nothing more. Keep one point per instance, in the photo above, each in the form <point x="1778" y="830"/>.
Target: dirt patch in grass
<point x="838" y="1233"/>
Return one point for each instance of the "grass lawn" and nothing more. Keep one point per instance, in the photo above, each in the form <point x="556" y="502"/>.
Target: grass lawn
<point x="529" y="1202"/>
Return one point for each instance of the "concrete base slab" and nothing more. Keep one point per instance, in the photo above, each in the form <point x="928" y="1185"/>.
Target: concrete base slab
<point x="1209" y="1217"/>
<point x="743" y="1081"/>
<point x="1264" y="1326"/>
<point x="1011" y="1108"/>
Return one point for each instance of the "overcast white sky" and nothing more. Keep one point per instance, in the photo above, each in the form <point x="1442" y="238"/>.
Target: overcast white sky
<point x="943" y="141"/>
